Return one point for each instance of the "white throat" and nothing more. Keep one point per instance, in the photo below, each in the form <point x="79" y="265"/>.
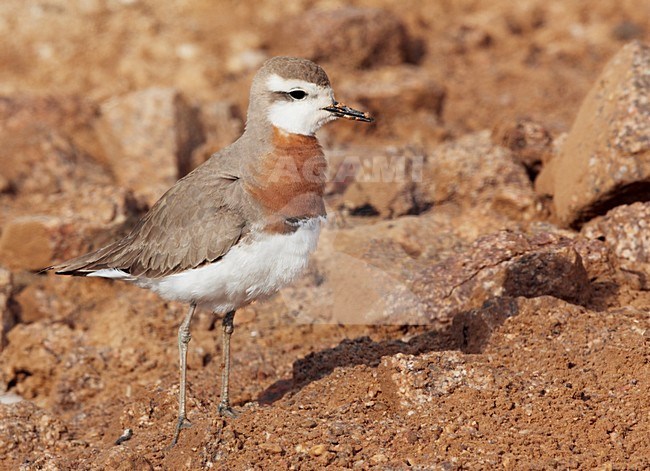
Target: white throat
<point x="304" y="116"/>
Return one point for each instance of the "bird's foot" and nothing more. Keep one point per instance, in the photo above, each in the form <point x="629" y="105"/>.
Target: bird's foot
<point x="182" y="423"/>
<point x="226" y="411"/>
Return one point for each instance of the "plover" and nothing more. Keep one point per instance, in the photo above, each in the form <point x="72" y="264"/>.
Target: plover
<point x="243" y="224"/>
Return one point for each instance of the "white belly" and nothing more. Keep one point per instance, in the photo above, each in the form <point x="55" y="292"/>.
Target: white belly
<point x="248" y="271"/>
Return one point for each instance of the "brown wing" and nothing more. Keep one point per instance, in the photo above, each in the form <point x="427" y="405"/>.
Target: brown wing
<point x="194" y="223"/>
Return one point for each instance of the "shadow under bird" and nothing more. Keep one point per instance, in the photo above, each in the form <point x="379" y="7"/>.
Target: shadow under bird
<point x="243" y="224"/>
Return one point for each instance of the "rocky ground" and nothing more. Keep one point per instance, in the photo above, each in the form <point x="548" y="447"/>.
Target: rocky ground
<point x="479" y="299"/>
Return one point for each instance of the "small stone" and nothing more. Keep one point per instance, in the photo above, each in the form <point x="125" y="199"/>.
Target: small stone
<point x="308" y="423"/>
<point x="271" y="447"/>
<point x="411" y="437"/>
<point x="374" y="391"/>
<point x="468" y="37"/>
<point x="318" y="450"/>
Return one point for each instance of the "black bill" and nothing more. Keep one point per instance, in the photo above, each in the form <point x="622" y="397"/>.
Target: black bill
<point x="342" y="111"/>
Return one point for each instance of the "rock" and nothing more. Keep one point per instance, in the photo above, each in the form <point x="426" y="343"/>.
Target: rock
<point x="223" y="124"/>
<point x="246" y="60"/>
<point x="271" y="448"/>
<point x="558" y="272"/>
<point x="150" y="132"/>
<point x="383" y="183"/>
<point x="544" y="184"/>
<point x="596" y="257"/>
<point x="546" y="358"/>
<point x="356" y="274"/>
<point x="418" y="381"/>
<point x="32" y="435"/>
<point x="45" y="144"/>
<point x="38" y="160"/>
<point x="528" y="140"/>
<point x="471" y="171"/>
<point x="624" y="230"/>
<point x="318" y="450"/>
<point x="503" y="349"/>
<point x="502" y="264"/>
<point x="354" y="38"/>
<point x="426" y="270"/>
<point x="57" y="227"/>
<point x="122" y="458"/>
<point x="471" y="330"/>
<point x="343" y="165"/>
<point x="363" y="287"/>
<point x="18" y="110"/>
<point x="34" y="301"/>
<point x="627" y="30"/>
<point x="247" y="52"/>
<point x="28" y="365"/>
<point x="8" y="316"/>
<point x="29" y="242"/>
<point x="468" y="37"/>
<point x="404" y="100"/>
<point x="5" y="184"/>
<point x="604" y="160"/>
<point x="69" y="115"/>
<point x="430" y="237"/>
<point x="394" y="92"/>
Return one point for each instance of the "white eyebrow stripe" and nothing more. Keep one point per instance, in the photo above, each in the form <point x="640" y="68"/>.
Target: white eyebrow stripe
<point x="275" y="83"/>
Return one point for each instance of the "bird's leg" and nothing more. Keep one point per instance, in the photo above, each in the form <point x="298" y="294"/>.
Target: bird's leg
<point x="224" y="406"/>
<point x="184" y="338"/>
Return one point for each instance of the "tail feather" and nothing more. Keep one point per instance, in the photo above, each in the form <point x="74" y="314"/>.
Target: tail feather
<point x="84" y="265"/>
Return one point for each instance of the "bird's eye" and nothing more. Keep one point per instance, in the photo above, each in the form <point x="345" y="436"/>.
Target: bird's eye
<point x="298" y="94"/>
